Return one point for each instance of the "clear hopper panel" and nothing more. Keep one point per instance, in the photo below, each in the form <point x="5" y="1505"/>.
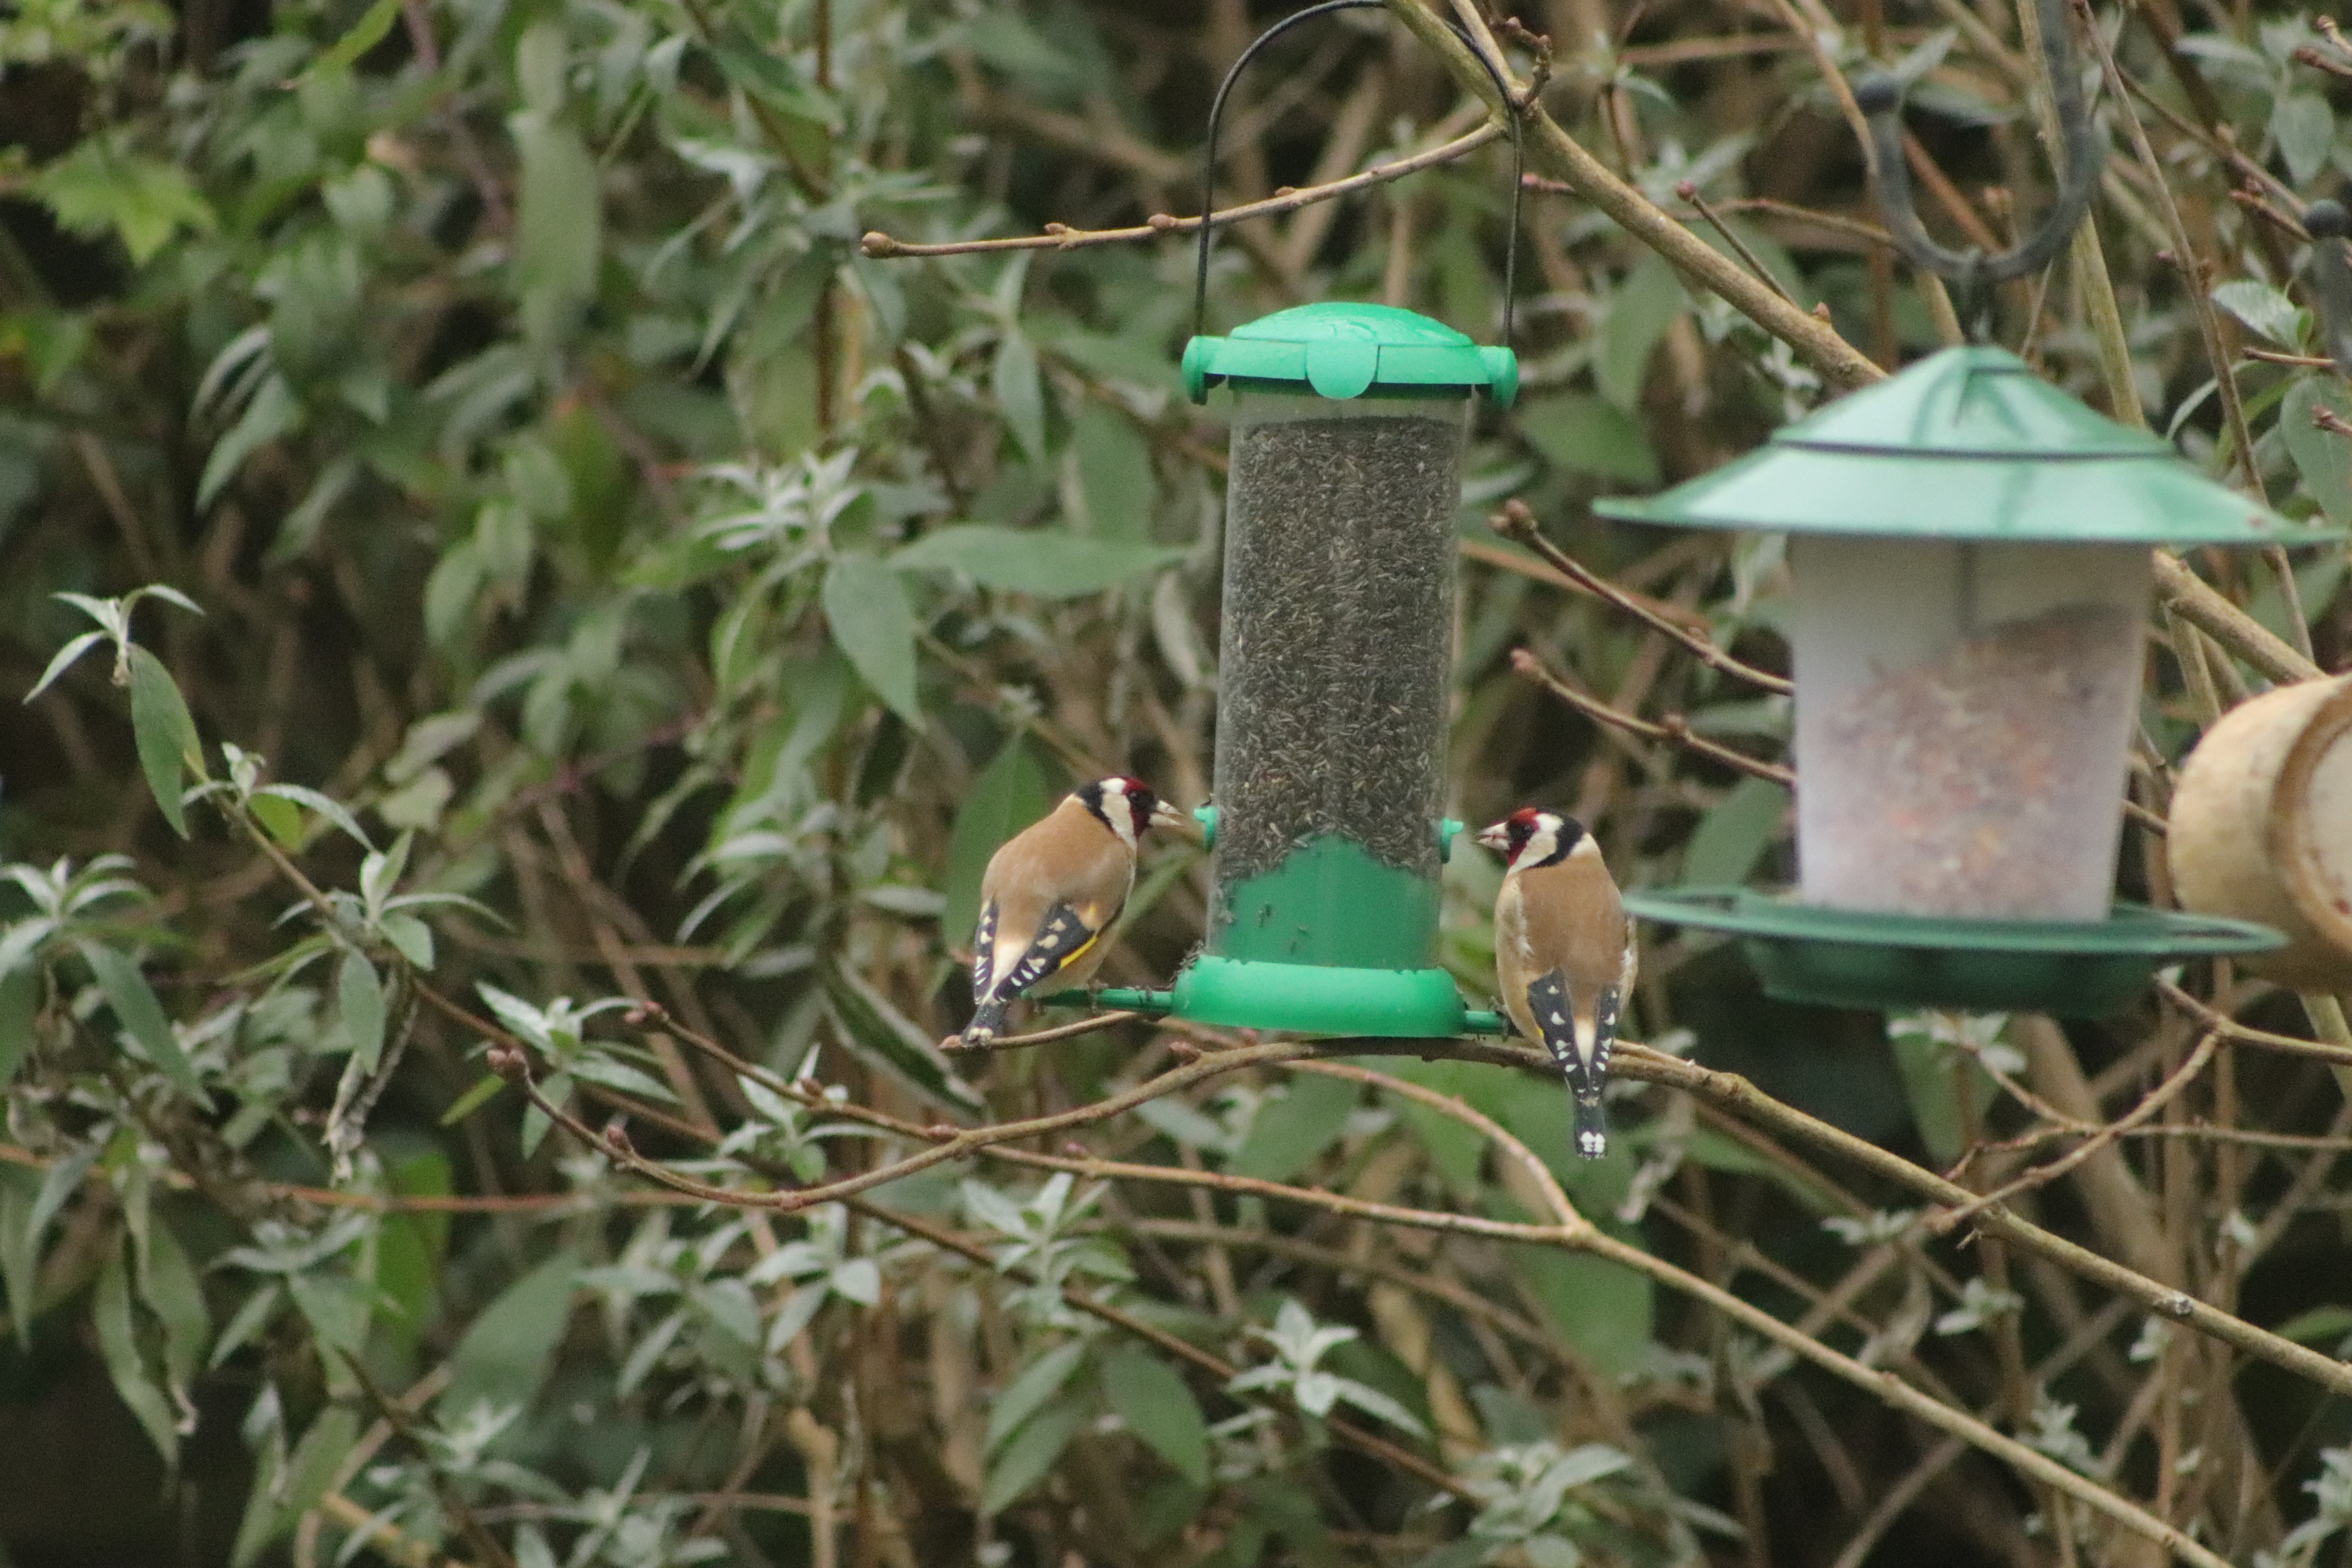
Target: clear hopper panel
<point x="1964" y="720"/>
<point x="1337" y="637"/>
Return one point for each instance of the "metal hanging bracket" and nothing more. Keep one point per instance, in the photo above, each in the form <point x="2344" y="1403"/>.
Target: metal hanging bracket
<point x="1879" y="97"/>
<point x="1217" y="114"/>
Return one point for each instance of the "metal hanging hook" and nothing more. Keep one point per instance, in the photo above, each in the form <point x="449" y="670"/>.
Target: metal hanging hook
<point x="1879" y="97"/>
<point x="1216" y="114"/>
<point x="2331" y="278"/>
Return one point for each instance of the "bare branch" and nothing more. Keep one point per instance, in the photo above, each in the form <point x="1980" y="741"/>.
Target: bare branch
<point x="1062" y="236"/>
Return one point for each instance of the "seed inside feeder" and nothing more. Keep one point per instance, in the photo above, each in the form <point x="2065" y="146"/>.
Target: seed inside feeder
<point x="1964" y="717"/>
<point x="1338" y="603"/>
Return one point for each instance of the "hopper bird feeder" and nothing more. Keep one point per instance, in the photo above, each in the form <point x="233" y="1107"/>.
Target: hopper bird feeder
<point x="1970" y="552"/>
<point x="1349" y="423"/>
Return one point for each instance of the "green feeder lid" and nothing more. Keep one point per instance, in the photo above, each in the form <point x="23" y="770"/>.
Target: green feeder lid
<point x="1969" y="444"/>
<point x="1338" y="349"/>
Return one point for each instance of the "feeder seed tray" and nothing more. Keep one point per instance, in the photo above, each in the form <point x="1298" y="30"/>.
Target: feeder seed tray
<point x="1854" y="958"/>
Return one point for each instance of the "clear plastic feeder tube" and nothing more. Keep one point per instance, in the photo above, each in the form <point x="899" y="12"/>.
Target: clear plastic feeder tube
<point x="1333" y="677"/>
<point x="1964" y="720"/>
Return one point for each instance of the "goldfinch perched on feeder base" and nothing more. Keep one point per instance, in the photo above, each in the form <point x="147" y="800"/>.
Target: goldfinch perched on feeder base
<point x="1052" y="890"/>
<point x="1564" y="954"/>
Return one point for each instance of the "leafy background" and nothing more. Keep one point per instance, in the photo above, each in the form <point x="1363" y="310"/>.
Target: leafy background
<point x="597" y="606"/>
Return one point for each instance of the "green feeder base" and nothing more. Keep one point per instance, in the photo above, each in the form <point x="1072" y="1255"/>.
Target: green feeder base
<point x="1853" y="958"/>
<point x="1306" y="999"/>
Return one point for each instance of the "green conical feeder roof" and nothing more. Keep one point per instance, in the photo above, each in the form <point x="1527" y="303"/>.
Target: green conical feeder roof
<point x="1969" y="444"/>
<point x="1339" y="350"/>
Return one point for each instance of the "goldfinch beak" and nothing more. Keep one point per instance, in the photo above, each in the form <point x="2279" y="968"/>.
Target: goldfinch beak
<point x="1497" y="836"/>
<point x="1166" y="815"/>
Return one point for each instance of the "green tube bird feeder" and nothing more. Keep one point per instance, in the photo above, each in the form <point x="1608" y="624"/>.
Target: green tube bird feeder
<point x="1335" y="658"/>
<point x="1971" y="551"/>
<point x="1335" y="664"/>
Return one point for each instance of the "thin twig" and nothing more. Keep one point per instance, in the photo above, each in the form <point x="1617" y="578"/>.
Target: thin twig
<point x="1689" y="193"/>
<point x="1516" y="522"/>
<point x="1039" y="1038"/>
<point x="1558" y="155"/>
<point x="1735" y="1094"/>
<point x="2209" y="326"/>
<point x="1951" y="1219"/>
<point x="2213" y="1018"/>
<point x="2199" y="603"/>
<point x="1062" y="236"/>
<point x="1673" y="728"/>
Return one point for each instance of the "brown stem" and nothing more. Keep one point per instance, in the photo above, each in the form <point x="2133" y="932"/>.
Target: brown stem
<point x="1674" y="729"/>
<point x="1554" y="152"/>
<point x="1516" y="522"/>
<point x="879" y="246"/>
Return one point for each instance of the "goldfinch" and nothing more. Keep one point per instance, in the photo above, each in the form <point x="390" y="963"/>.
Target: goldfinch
<point x="1052" y="890"/>
<point x="1563" y="952"/>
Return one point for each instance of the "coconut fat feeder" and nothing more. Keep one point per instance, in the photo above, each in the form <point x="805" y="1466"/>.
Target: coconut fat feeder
<point x="1972" y="556"/>
<point x="1349" y="423"/>
<point x="2261" y="827"/>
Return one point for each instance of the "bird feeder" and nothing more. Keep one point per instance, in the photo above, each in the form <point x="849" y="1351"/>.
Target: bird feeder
<point x="1335" y="666"/>
<point x="1971" y="556"/>
<point x="2261" y="827"/>
<point x="1335" y="661"/>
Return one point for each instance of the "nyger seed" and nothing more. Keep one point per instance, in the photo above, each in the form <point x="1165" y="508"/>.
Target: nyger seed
<point x="1338" y="601"/>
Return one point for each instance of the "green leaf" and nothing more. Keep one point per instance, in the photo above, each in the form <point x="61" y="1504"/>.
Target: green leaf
<point x="166" y="733"/>
<point x="2322" y="456"/>
<point x="20" y="1001"/>
<point x="63" y="661"/>
<point x="359" y="1002"/>
<point x="1020" y="394"/>
<point x="1735" y="832"/>
<point x="411" y="1246"/>
<point x="278" y="1500"/>
<point x="485" y="1090"/>
<point x="273" y="412"/>
<point x="1640" y="310"/>
<point x="874" y="626"/>
<point x="1289" y="1133"/>
<point x="369" y="31"/>
<point x="136" y="1009"/>
<point x="1152" y="1398"/>
<point x="1929" y="1082"/>
<point x="101" y="185"/>
<point x="1028" y="1391"/>
<point x="1047" y="562"/>
<point x="2305" y="129"/>
<point x="2263" y="308"/>
<point x="882" y="1036"/>
<point x="280" y="817"/>
<point x="774" y="80"/>
<point x="1602" y="1307"/>
<point x="167" y="1284"/>
<point x="20" y="1249"/>
<point x="1010" y="794"/>
<point x="1114" y="470"/>
<point x="2317" y="1325"/>
<point x="1026" y="1460"/>
<point x="1588" y="435"/>
<point x="504" y="1356"/>
<point x="118" y="1344"/>
<point x="558" y="227"/>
